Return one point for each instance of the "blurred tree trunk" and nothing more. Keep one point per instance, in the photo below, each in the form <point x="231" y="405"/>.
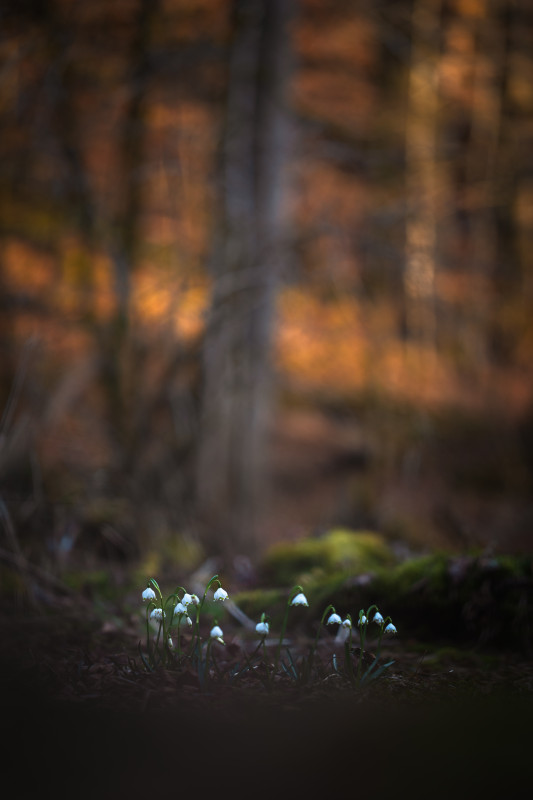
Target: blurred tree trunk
<point x="476" y="56"/>
<point x="421" y="171"/>
<point x="519" y="172"/>
<point x="120" y="365"/>
<point x="482" y="162"/>
<point x="246" y="263"/>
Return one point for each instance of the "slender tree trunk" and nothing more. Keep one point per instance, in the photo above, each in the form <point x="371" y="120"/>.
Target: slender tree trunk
<point x="484" y="66"/>
<point x="120" y="359"/>
<point x="421" y="171"/>
<point x="246" y="264"/>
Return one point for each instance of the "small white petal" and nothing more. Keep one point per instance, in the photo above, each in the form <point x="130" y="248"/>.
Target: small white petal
<point x="148" y="594"/>
<point x="221" y="594"/>
<point x="262" y="628"/>
<point x="334" y="620"/>
<point x="188" y="621"/>
<point x="299" y="600"/>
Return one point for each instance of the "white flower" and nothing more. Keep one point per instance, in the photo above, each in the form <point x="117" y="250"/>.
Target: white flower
<point x="170" y="643"/>
<point x="363" y="620"/>
<point x="334" y="620"/>
<point x="378" y="618"/>
<point x="391" y="628"/>
<point x="347" y="623"/>
<point x="148" y="595"/>
<point x="195" y="600"/>
<point x="217" y="633"/>
<point x="221" y="594"/>
<point x="188" y="620"/>
<point x="157" y="614"/>
<point x="180" y="609"/>
<point x="186" y="600"/>
<point x="299" y="600"/>
<point x="262" y="628"/>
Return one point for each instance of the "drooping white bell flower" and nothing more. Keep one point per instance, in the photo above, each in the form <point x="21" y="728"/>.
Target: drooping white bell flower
<point x="148" y="595"/>
<point x="217" y="633"/>
<point x="186" y="600"/>
<point x="347" y="623"/>
<point x="262" y="628"/>
<point x="334" y="619"/>
<point x="180" y="609"/>
<point x="378" y="618"/>
<point x="363" y="620"/>
<point x="158" y="614"/>
<point x="299" y="600"/>
<point x="221" y="594"/>
<point x="391" y="628"/>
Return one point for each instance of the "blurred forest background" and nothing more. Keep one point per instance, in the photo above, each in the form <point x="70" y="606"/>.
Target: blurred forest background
<point x="266" y="269"/>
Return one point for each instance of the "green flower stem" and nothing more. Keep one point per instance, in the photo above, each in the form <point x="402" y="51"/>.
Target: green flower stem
<point x="361" y="652"/>
<point x="315" y="645"/>
<point x="262" y="642"/>
<point x="178" y="638"/>
<point x="149" y="608"/>
<point x="348" y="652"/>
<point x="158" y="636"/>
<point x="207" y="654"/>
<point x="363" y="629"/>
<point x="196" y="633"/>
<point x="166" y="628"/>
<point x="155" y="585"/>
<point x="157" y="589"/>
<point x="282" y="634"/>
<point x="250" y="658"/>
<point x="382" y="627"/>
<point x="294" y="591"/>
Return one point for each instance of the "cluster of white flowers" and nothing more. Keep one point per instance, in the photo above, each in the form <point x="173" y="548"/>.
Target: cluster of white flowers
<point x="334" y="619"/>
<point x="188" y="601"/>
<point x="181" y="609"/>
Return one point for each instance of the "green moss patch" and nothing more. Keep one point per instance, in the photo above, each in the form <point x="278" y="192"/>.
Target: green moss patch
<point x="340" y="550"/>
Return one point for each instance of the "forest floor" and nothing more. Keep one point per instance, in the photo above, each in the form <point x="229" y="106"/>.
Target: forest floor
<point x="71" y="658"/>
<point x="84" y="717"/>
